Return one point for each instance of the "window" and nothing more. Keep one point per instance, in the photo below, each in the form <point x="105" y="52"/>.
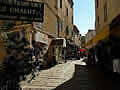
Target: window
<point x="56" y="4"/>
<point x="71" y="6"/>
<point x="95" y="24"/>
<point x="72" y="19"/>
<point x="105" y="12"/>
<point x="56" y="25"/>
<point x="53" y="51"/>
<point x="98" y="20"/>
<point x="67" y="11"/>
<point x="72" y="34"/>
<point x="61" y="26"/>
<point x="67" y="30"/>
<point x="62" y="51"/>
<point x="97" y="3"/>
<point x="60" y="3"/>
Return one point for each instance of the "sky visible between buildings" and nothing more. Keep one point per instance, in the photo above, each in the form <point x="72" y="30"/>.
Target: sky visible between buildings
<point x="84" y="15"/>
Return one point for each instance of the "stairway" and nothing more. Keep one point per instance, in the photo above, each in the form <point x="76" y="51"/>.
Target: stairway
<point x="50" y="78"/>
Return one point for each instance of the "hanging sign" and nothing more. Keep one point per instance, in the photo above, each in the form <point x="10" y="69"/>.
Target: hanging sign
<point x="21" y="10"/>
<point x="40" y="37"/>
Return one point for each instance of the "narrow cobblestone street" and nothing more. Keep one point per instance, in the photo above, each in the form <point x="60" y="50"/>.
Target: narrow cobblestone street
<point x="50" y="78"/>
<point x="73" y="75"/>
<point x="59" y="45"/>
<point x="68" y="76"/>
<point x="87" y="78"/>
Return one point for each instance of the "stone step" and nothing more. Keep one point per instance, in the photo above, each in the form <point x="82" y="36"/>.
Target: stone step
<point x="51" y="78"/>
<point x="36" y="88"/>
<point x="38" y="83"/>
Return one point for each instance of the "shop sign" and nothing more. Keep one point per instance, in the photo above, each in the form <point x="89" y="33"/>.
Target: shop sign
<point x="21" y="10"/>
<point x="40" y="37"/>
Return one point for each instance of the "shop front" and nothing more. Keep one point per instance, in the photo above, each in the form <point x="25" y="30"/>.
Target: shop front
<point x="71" y="49"/>
<point x="59" y="49"/>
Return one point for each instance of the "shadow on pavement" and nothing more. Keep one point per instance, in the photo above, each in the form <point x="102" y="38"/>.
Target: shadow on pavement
<point x="9" y="82"/>
<point x="86" y="78"/>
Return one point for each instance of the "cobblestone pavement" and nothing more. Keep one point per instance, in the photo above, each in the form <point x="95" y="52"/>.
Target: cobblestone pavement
<point x="50" y="78"/>
<point x="73" y="75"/>
<point x="79" y="80"/>
<point x="86" y="78"/>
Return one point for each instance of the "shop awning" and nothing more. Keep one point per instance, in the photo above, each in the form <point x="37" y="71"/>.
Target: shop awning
<point x="100" y="36"/>
<point x="82" y="49"/>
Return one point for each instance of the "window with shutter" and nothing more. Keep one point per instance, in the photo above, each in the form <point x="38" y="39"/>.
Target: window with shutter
<point x="60" y="3"/>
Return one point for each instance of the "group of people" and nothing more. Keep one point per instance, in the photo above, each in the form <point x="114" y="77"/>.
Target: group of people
<point x="106" y="54"/>
<point x="21" y="59"/>
<point x="99" y="54"/>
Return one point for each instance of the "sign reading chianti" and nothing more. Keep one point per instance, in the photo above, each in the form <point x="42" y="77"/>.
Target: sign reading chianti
<point x="21" y="10"/>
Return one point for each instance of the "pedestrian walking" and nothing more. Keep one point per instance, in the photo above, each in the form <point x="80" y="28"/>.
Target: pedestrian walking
<point x="115" y="55"/>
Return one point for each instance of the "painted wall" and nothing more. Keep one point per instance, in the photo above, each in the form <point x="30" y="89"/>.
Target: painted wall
<point x="50" y="17"/>
<point x="67" y="20"/>
<point x="113" y="9"/>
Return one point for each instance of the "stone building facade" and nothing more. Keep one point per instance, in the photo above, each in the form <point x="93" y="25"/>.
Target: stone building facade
<point x="106" y="11"/>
